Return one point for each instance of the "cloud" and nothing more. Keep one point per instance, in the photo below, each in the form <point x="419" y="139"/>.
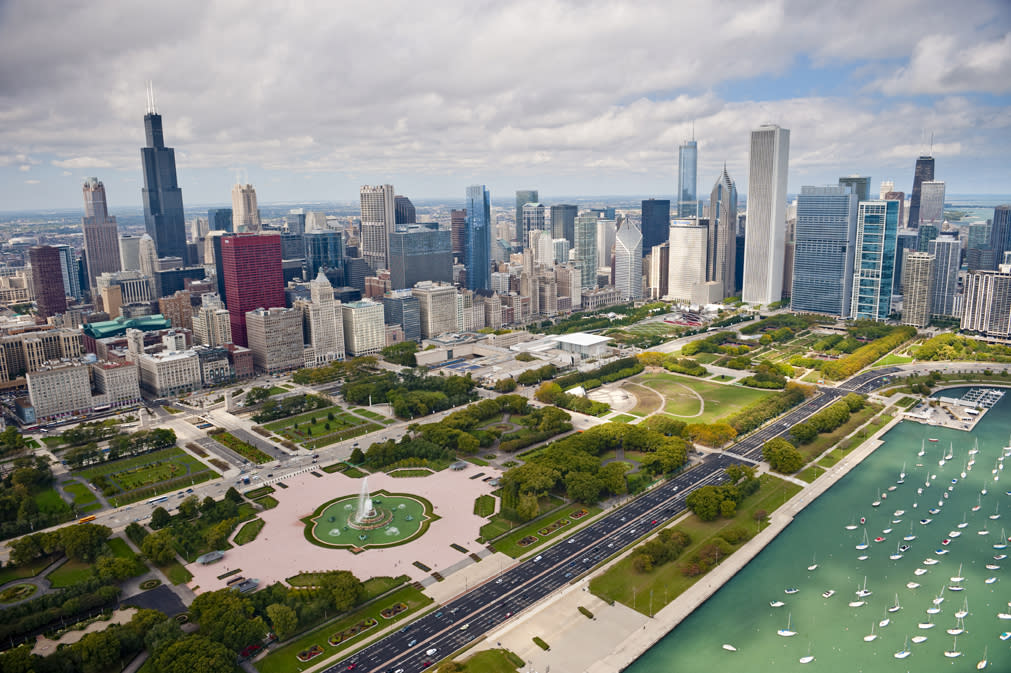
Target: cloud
<point x="82" y="162"/>
<point x="24" y="168"/>
<point x="32" y="182"/>
<point x="943" y="64"/>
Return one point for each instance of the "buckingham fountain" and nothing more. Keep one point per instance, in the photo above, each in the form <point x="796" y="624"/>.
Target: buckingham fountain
<point x="368" y="515"/>
<point x="362" y="521"/>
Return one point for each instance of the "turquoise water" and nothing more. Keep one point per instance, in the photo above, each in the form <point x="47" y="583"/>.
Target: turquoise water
<point x="740" y="613"/>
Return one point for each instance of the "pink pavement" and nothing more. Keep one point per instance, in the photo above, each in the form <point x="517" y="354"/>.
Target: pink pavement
<point x="281" y="550"/>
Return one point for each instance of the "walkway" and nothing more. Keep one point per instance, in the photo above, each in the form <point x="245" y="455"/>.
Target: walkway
<point x="41" y="584"/>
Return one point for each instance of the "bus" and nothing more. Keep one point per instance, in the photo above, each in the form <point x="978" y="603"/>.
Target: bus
<point x="155" y="501"/>
<point x="86" y="519"/>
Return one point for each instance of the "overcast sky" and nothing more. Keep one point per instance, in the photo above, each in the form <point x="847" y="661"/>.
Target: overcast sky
<point x="308" y="100"/>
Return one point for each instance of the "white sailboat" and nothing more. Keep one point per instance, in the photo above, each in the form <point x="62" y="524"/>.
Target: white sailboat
<point x="897" y="555"/>
<point x="979" y="503"/>
<point x="923" y="449"/>
<point x="865" y="543"/>
<point x="981" y="664"/>
<point x="852" y="525"/>
<point x="864" y="592"/>
<point x="929" y="624"/>
<point x="918" y="639"/>
<point x="786" y="633"/>
<point x="964" y="522"/>
<point x="871" y="636"/>
<point x="961" y="614"/>
<point x="953" y="653"/>
<point x="902" y="475"/>
<point x="904" y="652"/>
<point x="1002" y="544"/>
<point x="911" y="536"/>
<point x="884" y="622"/>
<point x="729" y="648"/>
<point x="814" y="563"/>
<point x="958" y="629"/>
<point x="951" y="452"/>
<point x="896" y="607"/>
<point x="958" y="577"/>
<point x="776" y="604"/>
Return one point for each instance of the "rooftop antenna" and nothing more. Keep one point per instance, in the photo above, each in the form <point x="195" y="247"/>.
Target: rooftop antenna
<point x="152" y="103"/>
<point x="931" y="143"/>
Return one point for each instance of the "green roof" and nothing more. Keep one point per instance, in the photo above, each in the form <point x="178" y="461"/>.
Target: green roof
<point x="118" y="327"/>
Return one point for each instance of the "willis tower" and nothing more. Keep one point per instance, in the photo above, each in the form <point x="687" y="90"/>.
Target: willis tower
<point x="164" y="219"/>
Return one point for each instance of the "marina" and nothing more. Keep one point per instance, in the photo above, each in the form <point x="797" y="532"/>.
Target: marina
<point x="959" y="603"/>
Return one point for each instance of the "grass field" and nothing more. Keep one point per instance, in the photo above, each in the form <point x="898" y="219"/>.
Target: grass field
<point x="508" y="546"/>
<point x="267" y="502"/>
<point x="624" y="584"/>
<point x="84" y="497"/>
<point x="681" y="400"/>
<point x="349" y="433"/>
<point x="249" y="531"/>
<point x="492" y="661"/>
<point x="409" y="472"/>
<point x="244" y="449"/>
<point x="893" y="359"/>
<point x="301" y="419"/>
<point x="176" y="573"/>
<point x="148" y="475"/>
<point x="21" y="572"/>
<point x="70" y="573"/>
<point x="622" y="418"/>
<point x="299" y="431"/>
<point x="647" y="401"/>
<point x="824" y="441"/>
<point x="283" y="659"/>
<point x="810" y="473"/>
<point x="499" y="525"/>
<point x="50" y="501"/>
<point x="484" y="506"/>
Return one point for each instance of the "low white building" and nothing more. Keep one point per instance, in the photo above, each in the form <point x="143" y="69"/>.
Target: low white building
<point x="169" y="372"/>
<point x="583" y="345"/>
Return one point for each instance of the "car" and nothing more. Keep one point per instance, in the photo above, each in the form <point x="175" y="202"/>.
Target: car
<point x="414" y="641"/>
<point x="653" y="522"/>
<point x="509" y="614"/>
<point x="431" y="651"/>
<point x="498" y="581"/>
<point x="352" y="666"/>
<point x="465" y="627"/>
<point x="537" y="558"/>
<point x="439" y="613"/>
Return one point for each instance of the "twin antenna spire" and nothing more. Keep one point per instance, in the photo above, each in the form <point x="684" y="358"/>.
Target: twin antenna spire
<point x="152" y="102"/>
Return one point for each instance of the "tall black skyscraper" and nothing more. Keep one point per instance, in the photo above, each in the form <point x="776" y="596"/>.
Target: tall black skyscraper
<point x="924" y="171"/>
<point x="164" y="218"/>
<point x="563" y="222"/>
<point x="1000" y="233"/>
<point x="655" y="223"/>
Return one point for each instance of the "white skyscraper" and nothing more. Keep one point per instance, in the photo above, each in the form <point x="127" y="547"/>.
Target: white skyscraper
<point x="378" y="220"/>
<point x="322" y="314"/>
<point x="605" y="242"/>
<point x="932" y="202"/>
<point x="886" y="186"/>
<point x="765" y="243"/>
<point x="687" y="262"/>
<point x="245" y="212"/>
<point x="628" y="260"/>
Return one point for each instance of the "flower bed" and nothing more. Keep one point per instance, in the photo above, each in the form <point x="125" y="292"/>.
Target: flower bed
<point x="527" y="541"/>
<point x="349" y="633"/>
<point x="311" y="653"/>
<point x="578" y="514"/>
<point x="393" y="610"/>
<point x="552" y="527"/>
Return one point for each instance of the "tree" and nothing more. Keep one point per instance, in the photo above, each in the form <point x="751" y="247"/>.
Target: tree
<point x="505" y="385"/>
<point x="158" y="548"/>
<point x="782" y="456"/>
<point x="727" y="509"/>
<point x="227" y="618"/>
<point x="99" y="651"/>
<point x="583" y="487"/>
<point x="114" y="568"/>
<point x="84" y="542"/>
<point x="217" y="535"/>
<point x="357" y="456"/>
<point x="528" y="507"/>
<point x="189" y="507"/>
<point x="803" y="432"/>
<point x="612" y="477"/>
<point x="160" y="518"/>
<point x="282" y="619"/>
<point x="549" y="393"/>
<point x="344" y="589"/>
<point x="233" y="495"/>
<point x="704" y="502"/>
<point x="161" y="635"/>
<point x="195" y="654"/>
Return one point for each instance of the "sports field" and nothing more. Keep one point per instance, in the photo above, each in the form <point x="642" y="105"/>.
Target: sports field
<point x="695" y="400"/>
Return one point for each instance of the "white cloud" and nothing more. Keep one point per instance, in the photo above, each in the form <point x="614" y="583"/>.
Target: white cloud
<point x="82" y="162"/>
<point x="944" y="64"/>
<point x="32" y="182"/>
<point x="24" y="168"/>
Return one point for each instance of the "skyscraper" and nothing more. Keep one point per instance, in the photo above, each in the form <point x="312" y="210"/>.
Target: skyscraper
<point x="932" y="202"/>
<point x="688" y="168"/>
<point x="220" y="219"/>
<point x="988" y="302"/>
<point x="323" y="250"/>
<point x="477" y="255"/>
<point x="251" y="269"/>
<point x="874" y="259"/>
<point x="765" y="244"/>
<point x="420" y="253"/>
<point x="294" y="221"/>
<point x="859" y="185"/>
<point x="687" y="259"/>
<point x="1000" y="232"/>
<point x="523" y="197"/>
<point x="918" y="272"/>
<point x="823" y="252"/>
<point x="322" y="318"/>
<point x="901" y="198"/>
<point x="378" y="206"/>
<point x="47" y="277"/>
<point x="585" y="249"/>
<point x="164" y="218"/>
<point x="245" y="212"/>
<point x="458" y="231"/>
<point x="605" y="242"/>
<point x="628" y="260"/>
<point x="149" y="266"/>
<point x="101" y="236"/>
<point x="533" y="220"/>
<point x="655" y="222"/>
<point x="924" y="171"/>
<point x="404" y="211"/>
<point x="723" y="232"/>
<point x="947" y="253"/>
<point x="68" y="270"/>
<point x="563" y="222"/>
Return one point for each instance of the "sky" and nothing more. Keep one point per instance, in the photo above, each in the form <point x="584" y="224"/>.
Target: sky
<point x="309" y="100"/>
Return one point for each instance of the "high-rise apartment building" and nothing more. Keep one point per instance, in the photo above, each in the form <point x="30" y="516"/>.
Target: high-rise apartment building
<point x="365" y="328"/>
<point x="874" y="259"/>
<point x="523" y="197"/>
<point x="918" y="272"/>
<point x="659" y="270"/>
<point x="245" y="212"/>
<point x="149" y="265"/>
<point x="164" y="217"/>
<point x="211" y="324"/>
<point x="988" y="302"/>
<point x="585" y="249"/>
<point x="177" y="309"/>
<point x="458" y="232"/>
<point x="437" y="308"/>
<point x="403" y="211"/>
<point x="825" y="236"/>
<point x="947" y="253"/>
<point x="605" y="243"/>
<point x="1000" y="232"/>
<point x="294" y="221"/>
<point x="420" y="253"/>
<point x="563" y="222"/>
<point x="477" y="255"/>
<point x="323" y="249"/>
<point x="628" y="260"/>
<point x="901" y="198"/>
<point x="101" y="235"/>
<point x="655" y="222"/>
<point x="69" y="271"/>
<point x="688" y="169"/>
<point x="932" y="202"/>
<point x="722" y="211"/>
<point x="275" y="337"/>
<point x="379" y="218"/>
<point x="251" y="270"/>
<point x="859" y="185"/>
<point x="924" y="171"/>
<point x="765" y="243"/>
<point x="47" y="278"/>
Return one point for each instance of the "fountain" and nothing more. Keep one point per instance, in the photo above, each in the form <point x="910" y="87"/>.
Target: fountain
<point x="365" y="509"/>
<point x="354" y="521"/>
<point x="367" y="515"/>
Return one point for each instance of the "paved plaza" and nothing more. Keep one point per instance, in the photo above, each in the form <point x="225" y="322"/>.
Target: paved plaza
<point x="281" y="550"/>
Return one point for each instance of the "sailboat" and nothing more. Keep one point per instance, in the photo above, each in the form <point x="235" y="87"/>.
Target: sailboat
<point x="729" y="648"/>
<point x="904" y="652"/>
<point x="996" y="513"/>
<point x="929" y="624"/>
<point x="852" y="525"/>
<point x="896" y="607"/>
<point x="975" y="448"/>
<point x="958" y="577"/>
<point x="897" y="555"/>
<point x="964" y="522"/>
<point x="871" y="636"/>
<point x="776" y="604"/>
<point x="951" y="452"/>
<point x="981" y="664"/>
<point x="864" y="592"/>
<point x="979" y="503"/>
<point x="1002" y="544"/>
<point x="923" y="449"/>
<point x="911" y="536"/>
<point x="787" y="632"/>
<point x="808" y="658"/>
<point x="918" y="639"/>
<point x="961" y="614"/>
<point x="902" y="475"/>
<point x="814" y="564"/>
<point x="884" y="622"/>
<point x="957" y="629"/>
<point x="953" y="653"/>
<point x="866" y="543"/>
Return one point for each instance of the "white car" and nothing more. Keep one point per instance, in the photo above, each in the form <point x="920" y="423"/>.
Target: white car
<point x="431" y="651"/>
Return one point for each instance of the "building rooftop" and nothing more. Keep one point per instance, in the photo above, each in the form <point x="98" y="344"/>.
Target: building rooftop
<point x="581" y="339"/>
<point x="118" y="327"/>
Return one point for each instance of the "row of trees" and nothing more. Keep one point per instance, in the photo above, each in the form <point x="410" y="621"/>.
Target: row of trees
<point x="711" y="502"/>
<point x="947" y="346"/>
<point x="672" y="363"/>
<point x="792" y="321"/>
<point x="782" y="456"/>
<point x="664" y="548"/>
<point x="336" y="371"/>
<point x="828" y="419"/>
<point x="411" y="393"/>
<point x="612" y="371"/>
<point x="289" y="406"/>
<point x="199" y="526"/>
<point x="121" y="446"/>
<point x="552" y="393"/>
<point x="769" y="375"/>
<point x="866" y="355"/>
<point x="402" y="353"/>
<point x="533" y="376"/>
<point x="760" y="411"/>
<point x="83" y="542"/>
<point x="20" y="512"/>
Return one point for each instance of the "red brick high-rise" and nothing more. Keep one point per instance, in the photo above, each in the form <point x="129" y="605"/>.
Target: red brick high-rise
<point x="251" y="269"/>
<point x="47" y="276"/>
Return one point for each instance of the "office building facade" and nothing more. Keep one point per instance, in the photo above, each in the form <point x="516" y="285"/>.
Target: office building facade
<point x="101" y="234"/>
<point x="164" y="217"/>
<point x="418" y="254"/>
<point x="274" y="335"/>
<point x="47" y="278"/>
<point x="722" y="264"/>
<point x="1000" y="233"/>
<point x="436" y="308"/>
<point x="874" y="259"/>
<point x="825" y="236"/>
<point x="477" y="255"/>
<point x="859" y="185"/>
<point x="220" y="219"/>
<point x="765" y="242"/>
<point x="688" y="242"/>
<point x="923" y="172"/>
<point x="655" y="222"/>
<point x="563" y="222"/>
<point x="323" y="249"/>
<point x="364" y="328"/>
<point x="628" y="260"/>
<point x="523" y="197"/>
<point x="251" y="271"/>
<point x="245" y="211"/>
<point x="932" y="202"/>
<point x="401" y="307"/>
<point x="378" y="209"/>
<point x="585" y="249"/>
<point x="458" y="232"/>
<point x="688" y="168"/>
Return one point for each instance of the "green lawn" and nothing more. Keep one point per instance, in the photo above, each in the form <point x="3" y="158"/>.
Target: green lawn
<point x="508" y="545"/>
<point x="721" y="378"/>
<point x="371" y="414"/>
<point x="31" y="444"/>
<point x="70" y="573"/>
<point x="647" y="401"/>
<point x="50" y="501"/>
<point x="249" y="531"/>
<point x="349" y="433"/>
<point x="719" y="400"/>
<point x="893" y="359"/>
<point x="267" y="502"/>
<point x="176" y="573"/>
<point x="244" y="449"/>
<point x="146" y="476"/>
<point x="276" y="390"/>
<point x="21" y="572"/>
<point x="484" y="506"/>
<point x="622" y="418"/>
<point x="825" y="441"/>
<point x="622" y="582"/>
<point x="283" y="659"/>
<point x="302" y="419"/>
<point x="84" y="497"/>
<point x="408" y="472"/>
<point x="500" y="525"/>
<point x="810" y="473"/>
<point x="492" y="661"/>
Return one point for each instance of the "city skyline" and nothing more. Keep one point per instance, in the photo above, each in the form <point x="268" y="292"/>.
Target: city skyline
<point x="866" y="106"/>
